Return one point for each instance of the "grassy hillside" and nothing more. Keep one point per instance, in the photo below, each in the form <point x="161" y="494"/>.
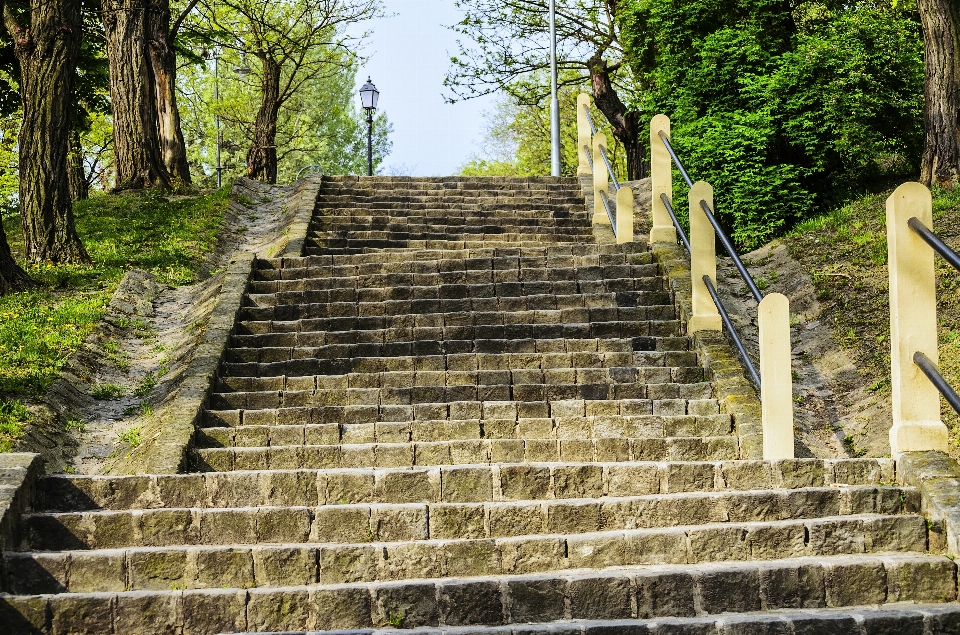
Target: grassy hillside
<point x="845" y="254"/>
<point x="39" y="329"/>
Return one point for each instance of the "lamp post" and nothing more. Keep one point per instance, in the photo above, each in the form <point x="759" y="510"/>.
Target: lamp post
<point x="368" y="97"/>
<point x="554" y="102"/>
<point x="215" y="56"/>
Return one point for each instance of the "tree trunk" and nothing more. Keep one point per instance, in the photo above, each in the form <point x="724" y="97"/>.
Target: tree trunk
<point x="12" y="277"/>
<point x="262" y="158"/>
<point x="136" y="143"/>
<point x="76" y="173"/>
<point x="163" y="61"/>
<point x="626" y="125"/>
<point x="47" y="51"/>
<point x="941" y="45"/>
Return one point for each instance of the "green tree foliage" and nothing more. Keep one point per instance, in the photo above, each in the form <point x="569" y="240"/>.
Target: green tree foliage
<point x="321" y="124"/>
<point x="781" y="106"/>
<point x="516" y="139"/>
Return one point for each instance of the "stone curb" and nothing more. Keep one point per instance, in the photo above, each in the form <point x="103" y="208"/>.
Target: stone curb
<point x="303" y="200"/>
<point x="18" y="474"/>
<point x="168" y="435"/>
<point x="937" y="476"/>
<point x="728" y="376"/>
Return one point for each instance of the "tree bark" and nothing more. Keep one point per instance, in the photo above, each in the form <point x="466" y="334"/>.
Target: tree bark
<point x="76" y="174"/>
<point x="138" y="160"/>
<point x="12" y="277"/>
<point x="163" y="61"/>
<point x="941" y="45"/>
<point x="262" y="157"/>
<point x="626" y="125"/>
<point x="47" y="51"/>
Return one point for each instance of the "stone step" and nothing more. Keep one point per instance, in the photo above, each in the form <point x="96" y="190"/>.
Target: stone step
<point x="440" y="415"/>
<point x="571" y="279"/>
<point x="405" y="248"/>
<point x="586" y="266"/>
<point x="352" y="219"/>
<point x="338" y="359"/>
<point x="602" y="296"/>
<point x="479" y="362"/>
<point x="651" y="426"/>
<point x="467" y="452"/>
<point x="390" y="544"/>
<point x="517" y="376"/>
<point x="465" y="512"/>
<point x="721" y="590"/>
<point x="505" y="482"/>
<point x="902" y="618"/>
<point x="503" y="257"/>
<point x="603" y="300"/>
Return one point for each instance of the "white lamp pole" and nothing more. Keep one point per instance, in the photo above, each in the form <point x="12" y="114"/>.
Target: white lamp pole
<point x="554" y="102"/>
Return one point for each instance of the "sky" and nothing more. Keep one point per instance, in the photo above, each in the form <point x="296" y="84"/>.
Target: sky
<point x="409" y="55"/>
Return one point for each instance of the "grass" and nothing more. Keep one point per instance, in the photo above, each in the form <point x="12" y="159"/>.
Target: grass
<point x="40" y="329"/>
<point x="845" y="254"/>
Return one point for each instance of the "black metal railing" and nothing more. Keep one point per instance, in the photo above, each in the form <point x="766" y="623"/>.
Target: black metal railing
<point x="728" y="246"/>
<point x="922" y="361"/>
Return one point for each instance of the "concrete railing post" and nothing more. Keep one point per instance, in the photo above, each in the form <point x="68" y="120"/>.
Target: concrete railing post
<point x="584" y="134"/>
<point x="703" y="261"/>
<point x="776" y="377"/>
<point x="913" y="324"/>
<point x="661" y="182"/>
<point x="600" y="180"/>
<point x="624" y="215"/>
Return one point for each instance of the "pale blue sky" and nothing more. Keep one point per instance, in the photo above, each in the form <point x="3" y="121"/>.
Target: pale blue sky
<point x="409" y="56"/>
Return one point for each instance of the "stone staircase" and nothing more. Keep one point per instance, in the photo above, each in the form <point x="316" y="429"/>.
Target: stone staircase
<point x="459" y="412"/>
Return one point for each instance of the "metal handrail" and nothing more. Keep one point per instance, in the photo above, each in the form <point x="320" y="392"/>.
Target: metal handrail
<point x="587" y="153"/>
<point x="676" y="222"/>
<point x="613" y="177"/>
<point x="610" y="214"/>
<point x="317" y="169"/>
<point x="934" y="241"/>
<point x="930" y="370"/>
<point x="676" y="159"/>
<point x="593" y="126"/>
<point x="733" y="254"/>
<point x="733" y="332"/>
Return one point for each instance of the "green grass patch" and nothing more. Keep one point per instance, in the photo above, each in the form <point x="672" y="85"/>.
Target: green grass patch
<point x="845" y="253"/>
<point x="13" y="417"/>
<point x="41" y="328"/>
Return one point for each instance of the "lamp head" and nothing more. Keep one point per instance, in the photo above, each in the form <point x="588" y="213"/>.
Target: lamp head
<point x="369" y="95"/>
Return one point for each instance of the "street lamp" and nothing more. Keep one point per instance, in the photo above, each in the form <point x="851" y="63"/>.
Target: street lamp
<point x="554" y="102"/>
<point x="368" y="97"/>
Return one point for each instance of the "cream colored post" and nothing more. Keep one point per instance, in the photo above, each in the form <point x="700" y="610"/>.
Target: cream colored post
<point x="913" y="324"/>
<point x="624" y="215"/>
<point x="703" y="261"/>
<point x="584" y="133"/>
<point x="661" y="182"/>
<point x="776" y="377"/>
<point x="600" y="181"/>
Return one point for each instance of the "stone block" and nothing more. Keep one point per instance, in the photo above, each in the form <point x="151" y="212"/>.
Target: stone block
<point x="283" y="524"/>
<point x="395" y="523"/>
<point x="285" y="566"/>
<point x="214" y="611"/>
<point x="98" y="572"/>
<point x="466" y="558"/>
<point x="345" y="564"/>
<point x="406" y="605"/>
<point x="145" y="612"/>
<point x="278" y="610"/>
<point x="791" y="587"/>
<point x="600" y="598"/>
<point x="728" y="590"/>
<point x="341" y="608"/>
<point x="342" y="523"/>
<point x="536" y="600"/>
<point x="466" y="484"/>
<point x="457" y="521"/>
<point x="853" y="583"/>
<point x="470" y="603"/>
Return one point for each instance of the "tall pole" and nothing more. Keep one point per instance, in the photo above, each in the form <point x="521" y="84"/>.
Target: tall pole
<point x="216" y="114"/>
<point x="554" y="102"/>
<point x="370" y="142"/>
